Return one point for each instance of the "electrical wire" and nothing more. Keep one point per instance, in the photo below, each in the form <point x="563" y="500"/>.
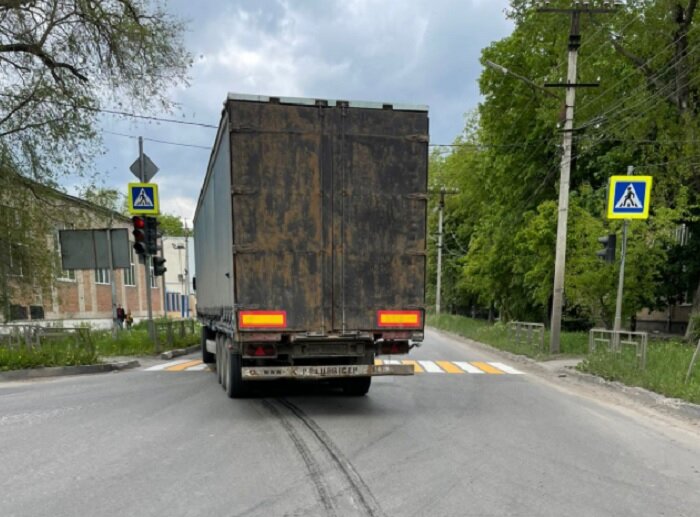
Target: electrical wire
<point x="118" y="112"/>
<point x="181" y="144"/>
<point x="609" y="89"/>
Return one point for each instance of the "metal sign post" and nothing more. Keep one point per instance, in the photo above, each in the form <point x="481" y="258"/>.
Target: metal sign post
<point x="628" y="199"/>
<point x="147" y="258"/>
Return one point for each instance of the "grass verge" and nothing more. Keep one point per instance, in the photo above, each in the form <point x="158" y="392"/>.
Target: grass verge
<point x="497" y="335"/>
<point x="90" y="348"/>
<point x="666" y="366"/>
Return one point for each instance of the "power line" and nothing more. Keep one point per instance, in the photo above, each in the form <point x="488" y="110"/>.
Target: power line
<point x="118" y="112"/>
<point x="158" y="141"/>
<point x="610" y="89"/>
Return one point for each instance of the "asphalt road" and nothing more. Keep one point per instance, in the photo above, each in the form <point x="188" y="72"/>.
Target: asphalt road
<point x="147" y="443"/>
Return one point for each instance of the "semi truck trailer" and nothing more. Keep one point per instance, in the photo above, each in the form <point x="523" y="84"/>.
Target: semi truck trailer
<point x="310" y="241"/>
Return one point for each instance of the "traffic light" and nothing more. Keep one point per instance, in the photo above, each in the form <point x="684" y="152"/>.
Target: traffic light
<point x="607" y="253"/>
<point x="139" y="233"/>
<point x="151" y="231"/>
<point x="159" y="268"/>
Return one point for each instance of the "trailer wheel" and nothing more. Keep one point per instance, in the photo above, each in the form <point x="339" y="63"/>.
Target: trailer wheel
<point x="235" y="386"/>
<point x="207" y="357"/>
<point x="357" y="387"/>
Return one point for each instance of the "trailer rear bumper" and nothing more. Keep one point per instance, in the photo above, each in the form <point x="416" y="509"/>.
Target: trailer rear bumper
<point x="264" y="373"/>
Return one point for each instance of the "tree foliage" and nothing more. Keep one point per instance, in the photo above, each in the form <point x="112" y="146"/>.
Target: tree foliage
<point x="62" y="61"/>
<point x="506" y="163"/>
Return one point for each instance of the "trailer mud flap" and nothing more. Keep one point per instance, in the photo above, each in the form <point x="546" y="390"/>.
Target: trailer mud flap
<point x="323" y="372"/>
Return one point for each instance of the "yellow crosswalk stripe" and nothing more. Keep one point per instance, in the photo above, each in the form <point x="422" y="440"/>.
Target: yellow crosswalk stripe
<point x="449" y="367"/>
<point x="416" y="367"/>
<point x="486" y="367"/>
<point x="183" y="366"/>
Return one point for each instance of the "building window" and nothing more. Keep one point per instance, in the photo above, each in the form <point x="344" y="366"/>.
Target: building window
<point x="130" y="275"/>
<point x="61" y="274"/>
<point x="18" y="312"/>
<point x="36" y="312"/>
<point x="102" y="276"/>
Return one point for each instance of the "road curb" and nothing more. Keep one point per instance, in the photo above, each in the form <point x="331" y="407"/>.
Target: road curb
<point x="647" y="397"/>
<point x="170" y="354"/>
<point x="60" y="371"/>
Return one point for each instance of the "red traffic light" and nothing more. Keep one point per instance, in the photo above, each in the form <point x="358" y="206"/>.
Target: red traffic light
<point x="139" y="222"/>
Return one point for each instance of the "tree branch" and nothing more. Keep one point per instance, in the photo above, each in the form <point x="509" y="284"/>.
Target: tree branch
<point x="37" y="51"/>
<point x="689" y="12"/>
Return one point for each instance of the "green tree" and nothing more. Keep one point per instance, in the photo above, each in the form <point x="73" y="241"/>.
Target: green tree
<point x="171" y="225"/>
<point x="506" y="163"/>
<point x="62" y="61"/>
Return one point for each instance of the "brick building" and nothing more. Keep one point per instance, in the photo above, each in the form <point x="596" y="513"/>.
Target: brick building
<point x="75" y="297"/>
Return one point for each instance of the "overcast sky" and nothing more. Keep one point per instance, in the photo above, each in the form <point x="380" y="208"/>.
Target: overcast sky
<point x="410" y="51"/>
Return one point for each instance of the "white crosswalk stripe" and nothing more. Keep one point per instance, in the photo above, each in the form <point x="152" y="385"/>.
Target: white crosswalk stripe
<point x="431" y="367"/>
<point x="506" y="368"/>
<point x="468" y="367"/>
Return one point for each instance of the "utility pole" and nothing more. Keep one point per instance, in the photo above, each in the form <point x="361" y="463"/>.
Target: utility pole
<point x="565" y="172"/>
<point x="147" y="261"/>
<point x="441" y="208"/>
<point x="438" y="283"/>
<point x="621" y="281"/>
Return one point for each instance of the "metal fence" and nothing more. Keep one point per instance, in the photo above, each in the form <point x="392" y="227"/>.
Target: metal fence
<point x="526" y="333"/>
<point x="34" y="336"/>
<point x="615" y="341"/>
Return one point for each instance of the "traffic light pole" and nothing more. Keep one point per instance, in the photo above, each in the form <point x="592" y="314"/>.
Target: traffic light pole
<point x="147" y="261"/>
<point x="621" y="281"/>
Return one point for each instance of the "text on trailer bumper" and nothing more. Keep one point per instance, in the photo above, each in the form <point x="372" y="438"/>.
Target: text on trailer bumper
<point x="323" y="372"/>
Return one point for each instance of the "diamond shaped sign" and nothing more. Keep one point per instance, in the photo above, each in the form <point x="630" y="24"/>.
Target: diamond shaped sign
<point x="149" y="169"/>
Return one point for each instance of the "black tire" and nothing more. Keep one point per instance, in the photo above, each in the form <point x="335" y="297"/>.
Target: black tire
<point x="207" y="357"/>
<point x="235" y="386"/>
<point x="356" y="387"/>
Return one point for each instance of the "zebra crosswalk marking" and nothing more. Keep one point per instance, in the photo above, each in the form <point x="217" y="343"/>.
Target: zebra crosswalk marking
<point x="419" y="366"/>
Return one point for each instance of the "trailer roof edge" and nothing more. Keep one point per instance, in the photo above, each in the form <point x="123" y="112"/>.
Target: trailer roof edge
<point x="311" y="101"/>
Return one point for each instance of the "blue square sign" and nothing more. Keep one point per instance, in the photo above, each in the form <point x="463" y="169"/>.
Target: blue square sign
<point x="143" y="198"/>
<point x="629" y="197"/>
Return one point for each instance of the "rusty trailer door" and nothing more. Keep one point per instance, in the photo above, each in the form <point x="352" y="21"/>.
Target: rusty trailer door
<point x="380" y="210"/>
<point x="329" y="211"/>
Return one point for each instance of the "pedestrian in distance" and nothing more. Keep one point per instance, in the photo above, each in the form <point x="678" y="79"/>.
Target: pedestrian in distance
<point x="129" y="320"/>
<point x="121" y="316"/>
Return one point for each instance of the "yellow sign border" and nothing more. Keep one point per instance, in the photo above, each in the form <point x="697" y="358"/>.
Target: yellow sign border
<point x="144" y="211"/>
<point x="614" y="180"/>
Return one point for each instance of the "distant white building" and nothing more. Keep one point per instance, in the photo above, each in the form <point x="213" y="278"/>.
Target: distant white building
<point x="179" y="262"/>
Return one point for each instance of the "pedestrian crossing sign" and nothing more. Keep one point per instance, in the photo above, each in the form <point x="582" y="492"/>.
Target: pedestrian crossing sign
<point x="628" y="197"/>
<point x="143" y="198"/>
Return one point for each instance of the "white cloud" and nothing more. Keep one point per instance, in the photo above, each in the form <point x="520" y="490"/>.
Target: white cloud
<point x="423" y="52"/>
